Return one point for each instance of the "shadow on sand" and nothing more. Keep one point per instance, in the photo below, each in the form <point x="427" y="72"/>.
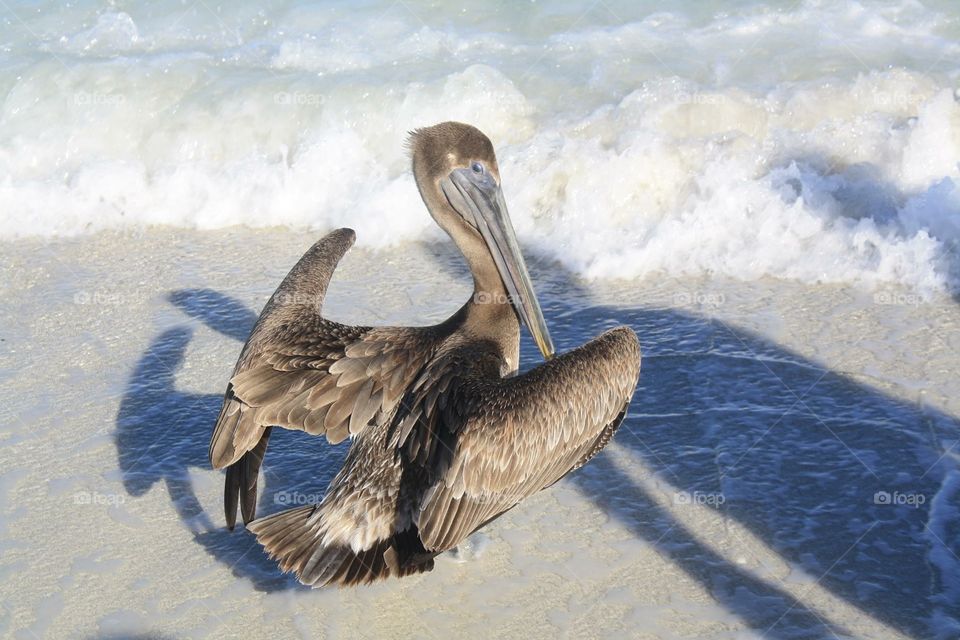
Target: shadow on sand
<point x="799" y="454"/>
<point x="162" y="433"/>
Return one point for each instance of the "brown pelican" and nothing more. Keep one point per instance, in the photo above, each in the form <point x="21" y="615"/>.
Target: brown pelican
<point x="445" y="435"/>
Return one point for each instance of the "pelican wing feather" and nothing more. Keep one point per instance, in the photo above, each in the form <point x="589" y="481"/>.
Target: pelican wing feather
<point x="301" y="371"/>
<point x="488" y="441"/>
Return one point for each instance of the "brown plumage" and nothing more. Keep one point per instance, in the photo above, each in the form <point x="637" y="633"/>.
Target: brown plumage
<point x="445" y="437"/>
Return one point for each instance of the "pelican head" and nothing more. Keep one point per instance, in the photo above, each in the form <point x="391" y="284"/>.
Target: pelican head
<point x="456" y="171"/>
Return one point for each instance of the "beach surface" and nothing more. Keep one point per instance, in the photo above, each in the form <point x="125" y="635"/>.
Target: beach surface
<point x="787" y="468"/>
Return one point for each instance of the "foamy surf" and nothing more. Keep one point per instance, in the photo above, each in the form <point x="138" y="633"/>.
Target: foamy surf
<point x="686" y="142"/>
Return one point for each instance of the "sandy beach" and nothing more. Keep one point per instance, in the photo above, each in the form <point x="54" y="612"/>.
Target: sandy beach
<point x="742" y="498"/>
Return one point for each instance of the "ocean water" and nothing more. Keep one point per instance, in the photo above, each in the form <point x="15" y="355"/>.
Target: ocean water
<point x="812" y="140"/>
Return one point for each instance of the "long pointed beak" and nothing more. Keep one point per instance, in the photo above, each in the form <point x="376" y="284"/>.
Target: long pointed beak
<point x="479" y="200"/>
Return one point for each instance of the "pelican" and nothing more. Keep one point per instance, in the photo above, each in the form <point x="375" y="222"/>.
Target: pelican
<point x="445" y="434"/>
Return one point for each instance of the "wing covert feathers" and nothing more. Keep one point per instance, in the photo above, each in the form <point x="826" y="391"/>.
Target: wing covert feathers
<point x="301" y="371"/>
<point x="296" y="302"/>
<point x="499" y="440"/>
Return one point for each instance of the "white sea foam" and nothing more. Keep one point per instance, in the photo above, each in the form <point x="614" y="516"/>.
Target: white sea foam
<point x="819" y="142"/>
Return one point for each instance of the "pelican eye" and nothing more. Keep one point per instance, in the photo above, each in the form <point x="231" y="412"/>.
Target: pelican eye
<point x="477" y="168"/>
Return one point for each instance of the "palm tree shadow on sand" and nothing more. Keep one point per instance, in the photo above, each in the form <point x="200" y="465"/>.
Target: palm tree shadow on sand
<point x="799" y="454"/>
<point x="809" y="461"/>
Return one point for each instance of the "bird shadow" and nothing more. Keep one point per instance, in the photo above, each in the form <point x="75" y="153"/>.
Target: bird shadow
<point x="798" y="455"/>
<point x="162" y="433"/>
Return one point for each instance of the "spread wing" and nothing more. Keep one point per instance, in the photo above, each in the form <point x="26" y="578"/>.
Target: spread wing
<point x="322" y="378"/>
<point x="301" y="371"/>
<point x="488" y="442"/>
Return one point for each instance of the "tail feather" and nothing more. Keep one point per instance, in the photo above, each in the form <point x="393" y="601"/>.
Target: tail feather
<point x="240" y="484"/>
<point x="294" y="539"/>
